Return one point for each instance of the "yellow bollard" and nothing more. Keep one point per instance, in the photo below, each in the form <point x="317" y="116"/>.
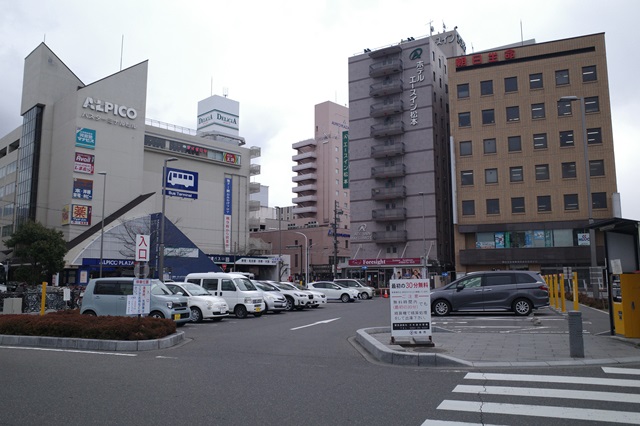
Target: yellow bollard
<point x="562" y="294"/>
<point x="43" y="301"/>
<point x="555" y="291"/>
<point x="576" y="306"/>
<point x="552" y="300"/>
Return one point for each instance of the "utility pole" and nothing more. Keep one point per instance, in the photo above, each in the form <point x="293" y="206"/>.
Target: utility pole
<point x="334" y="225"/>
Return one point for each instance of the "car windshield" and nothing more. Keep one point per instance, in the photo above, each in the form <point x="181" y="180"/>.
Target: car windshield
<point x="286" y="286"/>
<point x="195" y="289"/>
<point x="343" y="285"/>
<point x="244" y="284"/>
<point x="158" y="287"/>
<point x="265" y="286"/>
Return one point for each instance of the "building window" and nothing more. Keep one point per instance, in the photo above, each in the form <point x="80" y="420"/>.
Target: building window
<point x="571" y="201"/>
<point x="535" y="81"/>
<point x="540" y="141"/>
<point x="566" y="138"/>
<point x="517" y="205"/>
<point x="599" y="200"/>
<point x="489" y="146"/>
<point x="516" y="174"/>
<point x="488" y="116"/>
<point x="511" y="84"/>
<point x="564" y="108"/>
<point x="490" y="176"/>
<point x="589" y="73"/>
<point x="562" y="77"/>
<point x="594" y="136"/>
<point x="466" y="177"/>
<point x="514" y="143"/>
<point x="493" y="206"/>
<point x="569" y="170"/>
<point x="468" y="208"/>
<point x="596" y="168"/>
<point x="464" y="119"/>
<point x="486" y="87"/>
<point x="465" y="148"/>
<point x="542" y="172"/>
<point x="544" y="203"/>
<point x="591" y="104"/>
<point x="513" y="113"/>
<point x="537" y="111"/>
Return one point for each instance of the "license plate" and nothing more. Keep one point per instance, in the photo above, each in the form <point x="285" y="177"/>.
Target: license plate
<point x="176" y="317"/>
<point x="258" y="309"/>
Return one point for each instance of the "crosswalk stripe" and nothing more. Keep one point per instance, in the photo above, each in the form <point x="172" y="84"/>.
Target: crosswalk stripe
<point x="448" y="423"/>
<point x="549" y="393"/>
<point x="542" y="411"/>
<point x="618" y="370"/>
<point x="554" y="379"/>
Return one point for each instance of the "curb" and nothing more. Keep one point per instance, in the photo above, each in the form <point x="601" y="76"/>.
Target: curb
<point x="397" y="355"/>
<point x="93" y="344"/>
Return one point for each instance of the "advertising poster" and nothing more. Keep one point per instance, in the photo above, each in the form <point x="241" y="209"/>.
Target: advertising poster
<point x="227" y="214"/>
<point x="80" y="215"/>
<point x="84" y="163"/>
<point x="410" y="307"/>
<point x="82" y="189"/>
<point x="85" y="138"/>
<point x="66" y="214"/>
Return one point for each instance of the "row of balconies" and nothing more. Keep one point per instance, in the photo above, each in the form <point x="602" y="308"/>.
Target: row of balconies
<point x="383" y="172"/>
<point x="389" y="128"/>
<point x="388" y="193"/>
<point x="383" y="109"/>
<point x="383" y="215"/>
<point x="381" y="151"/>
<point x="385" y="67"/>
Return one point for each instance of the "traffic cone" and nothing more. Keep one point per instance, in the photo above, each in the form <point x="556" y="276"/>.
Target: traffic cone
<point x="386" y="295"/>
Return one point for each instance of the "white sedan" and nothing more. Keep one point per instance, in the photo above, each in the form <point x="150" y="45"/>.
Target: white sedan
<point x="202" y="304"/>
<point x="333" y="291"/>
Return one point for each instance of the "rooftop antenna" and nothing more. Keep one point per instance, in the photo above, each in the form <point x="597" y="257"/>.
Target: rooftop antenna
<point x="521" y="36"/>
<point x="45" y="38"/>
<point x="211" y="86"/>
<point x="225" y="92"/>
<point x="121" y="50"/>
<point x="444" y="27"/>
<point x="430" y="28"/>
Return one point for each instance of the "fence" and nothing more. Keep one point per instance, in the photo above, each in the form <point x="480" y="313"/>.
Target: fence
<point x="32" y="300"/>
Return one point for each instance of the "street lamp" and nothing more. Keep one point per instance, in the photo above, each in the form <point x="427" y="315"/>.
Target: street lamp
<point x="104" y="192"/>
<point x="164" y="190"/>
<point x="280" y="243"/>
<point x="306" y="246"/>
<point x="592" y="232"/>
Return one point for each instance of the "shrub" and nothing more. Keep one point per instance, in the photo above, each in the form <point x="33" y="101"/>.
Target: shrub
<point x="70" y="323"/>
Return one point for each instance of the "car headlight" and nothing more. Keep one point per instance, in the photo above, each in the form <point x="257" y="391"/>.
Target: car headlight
<point x="269" y="297"/>
<point x="209" y="304"/>
<point x="248" y="300"/>
<point x="170" y="305"/>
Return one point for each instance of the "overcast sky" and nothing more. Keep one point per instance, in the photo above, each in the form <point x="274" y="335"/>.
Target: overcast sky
<point x="280" y="58"/>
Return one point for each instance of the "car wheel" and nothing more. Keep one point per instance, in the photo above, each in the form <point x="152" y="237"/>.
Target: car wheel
<point x="240" y="311"/>
<point x="441" y="308"/>
<point x="196" y="314"/>
<point x="156" y="314"/>
<point x="90" y="313"/>
<point x="289" y="306"/>
<point x="522" y="307"/>
<point x="364" y="296"/>
<point x="345" y="298"/>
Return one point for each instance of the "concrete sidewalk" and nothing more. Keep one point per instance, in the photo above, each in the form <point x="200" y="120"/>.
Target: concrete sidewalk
<point x="501" y="349"/>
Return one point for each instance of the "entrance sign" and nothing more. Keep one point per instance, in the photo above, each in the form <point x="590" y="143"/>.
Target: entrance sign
<point x="142" y="248"/>
<point x="410" y="308"/>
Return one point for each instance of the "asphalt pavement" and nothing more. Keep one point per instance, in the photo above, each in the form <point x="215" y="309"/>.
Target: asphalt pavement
<point x="542" y="339"/>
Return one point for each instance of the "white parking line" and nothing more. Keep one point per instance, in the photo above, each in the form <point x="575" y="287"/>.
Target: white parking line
<point x="66" y="350"/>
<point x="618" y="370"/>
<point x="315" y="323"/>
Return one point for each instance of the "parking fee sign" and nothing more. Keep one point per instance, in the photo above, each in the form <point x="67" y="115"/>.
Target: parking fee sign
<point x="410" y="308"/>
<point x="139" y="302"/>
<point x="142" y="248"/>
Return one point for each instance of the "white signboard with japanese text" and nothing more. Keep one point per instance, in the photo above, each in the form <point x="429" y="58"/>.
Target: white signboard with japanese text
<point x="142" y="248"/>
<point x="410" y="301"/>
<point x="139" y="302"/>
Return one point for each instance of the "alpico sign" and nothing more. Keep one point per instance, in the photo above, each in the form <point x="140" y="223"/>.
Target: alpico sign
<point x="100" y="105"/>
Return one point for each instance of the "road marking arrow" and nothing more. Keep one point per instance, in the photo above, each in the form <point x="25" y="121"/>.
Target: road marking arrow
<point x="315" y="323"/>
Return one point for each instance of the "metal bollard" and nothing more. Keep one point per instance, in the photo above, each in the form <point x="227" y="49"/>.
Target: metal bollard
<point x="576" y="343"/>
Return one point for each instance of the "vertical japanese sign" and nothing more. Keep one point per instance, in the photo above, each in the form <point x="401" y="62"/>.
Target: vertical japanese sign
<point x="345" y="159"/>
<point x="410" y="308"/>
<point x="142" y="248"/>
<point x="85" y="138"/>
<point x="84" y="163"/>
<point x="83" y="189"/>
<point x="139" y="302"/>
<point x="227" y="213"/>
<point x="80" y="215"/>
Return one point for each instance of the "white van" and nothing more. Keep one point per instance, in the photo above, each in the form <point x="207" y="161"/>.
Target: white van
<point x="237" y="290"/>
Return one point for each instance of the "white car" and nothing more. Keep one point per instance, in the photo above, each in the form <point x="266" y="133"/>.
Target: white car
<point x="296" y="298"/>
<point x="334" y="292"/>
<point x="365" y="291"/>
<point x="274" y="300"/>
<point x="318" y="299"/>
<point x="202" y="304"/>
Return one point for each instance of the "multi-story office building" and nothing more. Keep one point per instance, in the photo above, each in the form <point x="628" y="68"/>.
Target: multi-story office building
<point x="401" y="207"/>
<point x="87" y="162"/>
<point x="530" y="173"/>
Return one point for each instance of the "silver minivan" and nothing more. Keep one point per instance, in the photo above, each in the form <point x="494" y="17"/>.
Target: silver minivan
<point x="108" y="296"/>
<point x="489" y="291"/>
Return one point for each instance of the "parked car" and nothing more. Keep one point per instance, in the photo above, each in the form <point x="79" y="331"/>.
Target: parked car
<point x="333" y="291"/>
<point x="202" y="304"/>
<point x="296" y="298"/>
<point x="108" y="296"/>
<point x="274" y="300"/>
<point x="365" y="291"/>
<point x="517" y="291"/>
<point x="318" y="296"/>
<point x="237" y="290"/>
